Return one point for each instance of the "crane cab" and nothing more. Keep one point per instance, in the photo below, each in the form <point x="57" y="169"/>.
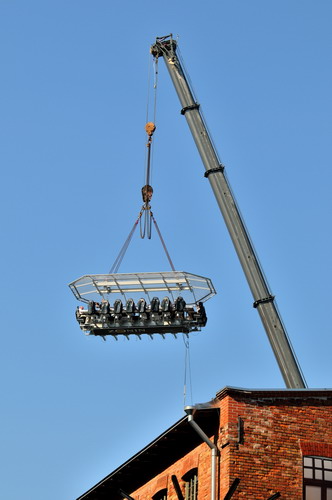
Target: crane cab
<point x="141" y="303"/>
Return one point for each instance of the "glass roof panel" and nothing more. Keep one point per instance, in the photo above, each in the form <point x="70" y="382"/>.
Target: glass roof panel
<point x="191" y="287"/>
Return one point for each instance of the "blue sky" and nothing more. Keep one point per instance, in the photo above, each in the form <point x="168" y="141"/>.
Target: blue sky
<point x="72" y="113"/>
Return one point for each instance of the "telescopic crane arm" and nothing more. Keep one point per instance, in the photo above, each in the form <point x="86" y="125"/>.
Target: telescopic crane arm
<point x="263" y="299"/>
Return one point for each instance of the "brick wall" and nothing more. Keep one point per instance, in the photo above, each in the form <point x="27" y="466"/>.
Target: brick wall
<point x="277" y="432"/>
<point x="200" y="457"/>
<point x="266" y="457"/>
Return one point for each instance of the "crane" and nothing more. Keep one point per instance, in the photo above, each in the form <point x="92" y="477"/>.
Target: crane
<point x="166" y="47"/>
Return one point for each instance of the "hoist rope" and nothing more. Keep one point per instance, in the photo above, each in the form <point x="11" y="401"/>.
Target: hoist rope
<point x="148" y="162"/>
<point x="155" y="87"/>
<point x="149" y="155"/>
<point x="148" y="93"/>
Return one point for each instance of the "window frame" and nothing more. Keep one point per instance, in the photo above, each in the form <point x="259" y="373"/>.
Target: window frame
<point x="190" y="479"/>
<point x="322" y="483"/>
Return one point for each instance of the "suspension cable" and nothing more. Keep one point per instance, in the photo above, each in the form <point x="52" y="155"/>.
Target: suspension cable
<point x="187" y="372"/>
<point x="162" y="242"/>
<point x="118" y="260"/>
<point x="155" y="87"/>
<point x="148" y="92"/>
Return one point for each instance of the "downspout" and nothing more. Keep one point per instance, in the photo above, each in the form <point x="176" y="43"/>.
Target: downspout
<point x="214" y="450"/>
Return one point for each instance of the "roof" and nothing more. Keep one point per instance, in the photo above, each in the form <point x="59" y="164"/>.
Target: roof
<point x="274" y="393"/>
<point x="156" y="456"/>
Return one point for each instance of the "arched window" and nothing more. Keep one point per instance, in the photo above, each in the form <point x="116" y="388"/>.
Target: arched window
<point x="160" y="495"/>
<point x="317" y="478"/>
<point x="191" y="484"/>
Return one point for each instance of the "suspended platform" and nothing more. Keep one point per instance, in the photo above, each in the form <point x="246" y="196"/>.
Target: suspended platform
<point x="141" y="303"/>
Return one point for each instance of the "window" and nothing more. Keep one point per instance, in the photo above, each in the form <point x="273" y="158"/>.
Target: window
<point x="317" y="478"/>
<point x="162" y="495"/>
<point x="191" y="484"/>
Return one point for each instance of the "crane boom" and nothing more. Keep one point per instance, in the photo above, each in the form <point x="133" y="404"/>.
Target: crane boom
<point x="263" y="299"/>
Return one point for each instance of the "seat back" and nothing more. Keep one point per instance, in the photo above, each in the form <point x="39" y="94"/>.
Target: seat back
<point x="155" y="304"/>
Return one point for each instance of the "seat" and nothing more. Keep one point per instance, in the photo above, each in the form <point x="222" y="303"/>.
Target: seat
<point x="92" y="307"/>
<point x="142" y="309"/>
<point x="118" y="308"/>
<point x="141" y="306"/>
<point x="155" y="305"/>
<point x="105" y="311"/>
<point x="105" y="307"/>
<point x="130" y="306"/>
<point x="180" y="304"/>
<point x="165" y="305"/>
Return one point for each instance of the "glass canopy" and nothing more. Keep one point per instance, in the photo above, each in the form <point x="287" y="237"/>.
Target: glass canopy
<point x="95" y="287"/>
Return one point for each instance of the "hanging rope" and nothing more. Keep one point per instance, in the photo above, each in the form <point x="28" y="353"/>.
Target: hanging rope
<point x="155" y="86"/>
<point x="148" y="92"/>
<point x="187" y="372"/>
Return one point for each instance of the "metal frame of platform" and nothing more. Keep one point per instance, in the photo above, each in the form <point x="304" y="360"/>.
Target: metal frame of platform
<point x="137" y="325"/>
<point x="111" y="289"/>
<point x="192" y="287"/>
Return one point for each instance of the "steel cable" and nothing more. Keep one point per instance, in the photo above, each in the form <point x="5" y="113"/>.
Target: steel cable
<point x="118" y="260"/>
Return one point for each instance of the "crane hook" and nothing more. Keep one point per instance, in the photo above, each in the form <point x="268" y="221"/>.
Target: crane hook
<point x="150" y="128"/>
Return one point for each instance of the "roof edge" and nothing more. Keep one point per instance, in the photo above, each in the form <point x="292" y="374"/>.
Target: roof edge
<point x="268" y="393"/>
<point x="199" y="407"/>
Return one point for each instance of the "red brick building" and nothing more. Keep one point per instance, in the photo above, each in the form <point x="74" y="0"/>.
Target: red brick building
<point x="262" y="444"/>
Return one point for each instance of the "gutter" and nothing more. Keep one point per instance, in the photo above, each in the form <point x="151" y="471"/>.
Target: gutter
<point x="214" y="450"/>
